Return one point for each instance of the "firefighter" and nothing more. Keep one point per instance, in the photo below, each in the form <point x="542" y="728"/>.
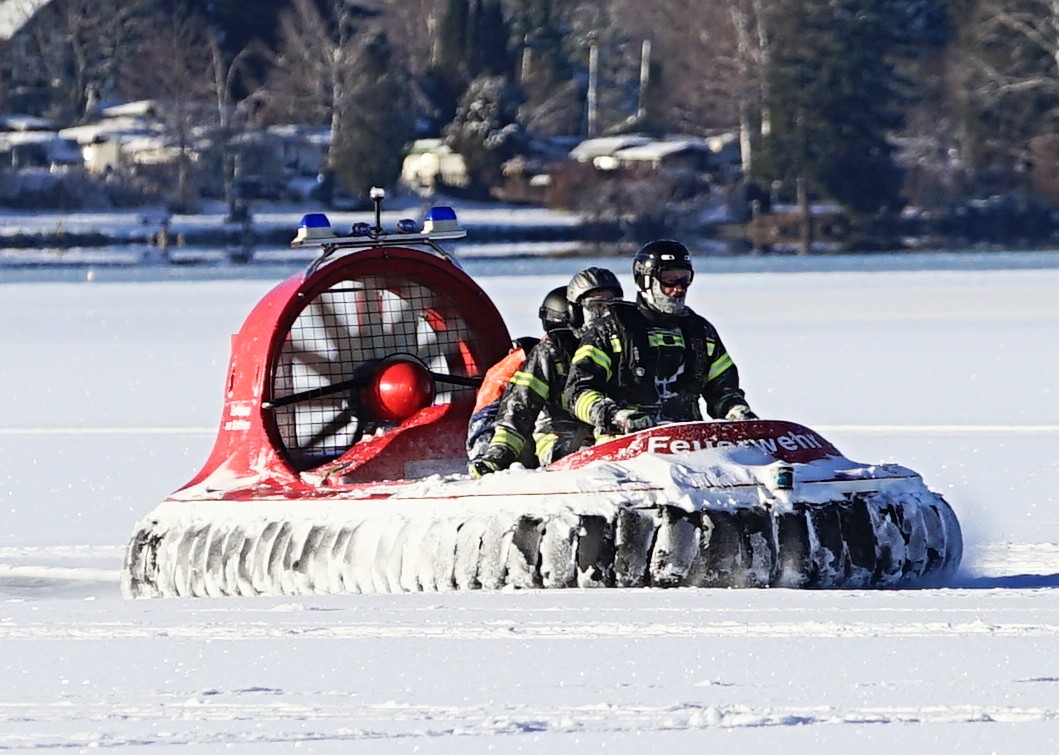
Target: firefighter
<point x="531" y="421"/>
<point x="649" y="362"/>
<point x="554" y="314"/>
<point x="487" y="400"/>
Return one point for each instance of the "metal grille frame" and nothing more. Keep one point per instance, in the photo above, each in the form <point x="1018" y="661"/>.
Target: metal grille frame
<point x="362" y="310"/>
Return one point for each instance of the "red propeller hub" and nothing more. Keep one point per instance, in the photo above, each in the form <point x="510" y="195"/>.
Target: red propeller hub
<point x="398" y="389"/>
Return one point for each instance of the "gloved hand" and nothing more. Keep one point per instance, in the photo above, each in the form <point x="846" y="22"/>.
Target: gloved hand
<point x="481" y="467"/>
<point x="626" y="421"/>
<point x="740" y="411"/>
<point x="495" y="458"/>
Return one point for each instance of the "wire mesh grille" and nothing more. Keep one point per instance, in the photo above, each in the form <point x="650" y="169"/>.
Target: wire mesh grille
<point x="338" y="337"/>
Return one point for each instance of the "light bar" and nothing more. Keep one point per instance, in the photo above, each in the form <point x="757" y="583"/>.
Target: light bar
<point x="314" y="226"/>
<point x="439" y="223"/>
<point x="440" y="219"/>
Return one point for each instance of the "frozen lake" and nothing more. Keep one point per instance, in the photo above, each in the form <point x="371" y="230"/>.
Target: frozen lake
<point x="944" y="363"/>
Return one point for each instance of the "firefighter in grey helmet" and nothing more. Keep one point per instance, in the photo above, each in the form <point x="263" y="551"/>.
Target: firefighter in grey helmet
<point x="531" y="414"/>
<point x="589" y="294"/>
<point x="649" y="362"/>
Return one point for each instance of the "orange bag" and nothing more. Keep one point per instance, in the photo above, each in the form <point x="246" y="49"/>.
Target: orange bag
<point x="497" y="377"/>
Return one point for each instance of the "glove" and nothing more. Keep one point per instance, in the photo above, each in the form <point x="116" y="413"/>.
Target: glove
<point x="495" y="458"/>
<point x="479" y="468"/>
<point x="627" y="421"/>
<point x="740" y="411"/>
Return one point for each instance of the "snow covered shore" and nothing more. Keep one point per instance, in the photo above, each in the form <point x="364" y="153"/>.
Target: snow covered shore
<point x="269" y="224"/>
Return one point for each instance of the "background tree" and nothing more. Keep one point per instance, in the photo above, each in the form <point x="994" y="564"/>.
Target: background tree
<point x="486" y="130"/>
<point x="375" y="121"/>
<point x="313" y="80"/>
<point x="470" y="40"/>
<point x="748" y="63"/>
<point x="835" y="96"/>
<point x="231" y="75"/>
<point x="690" y="78"/>
<point x="175" y="70"/>
<point x="1005" y="76"/>
<point x="488" y="40"/>
<point x="609" y="61"/>
<point x="448" y="73"/>
<point x="553" y="94"/>
<point x="307" y="77"/>
<point x="73" y="53"/>
<point x="239" y="25"/>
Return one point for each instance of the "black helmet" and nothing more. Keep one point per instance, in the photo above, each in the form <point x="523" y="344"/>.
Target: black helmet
<point x="555" y="311"/>
<point x="526" y="343"/>
<point x="654" y="256"/>
<point x="585" y="282"/>
<point x="652" y="259"/>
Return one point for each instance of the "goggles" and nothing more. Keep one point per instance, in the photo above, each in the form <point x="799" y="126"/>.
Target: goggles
<point x="596" y="303"/>
<point x="674" y="278"/>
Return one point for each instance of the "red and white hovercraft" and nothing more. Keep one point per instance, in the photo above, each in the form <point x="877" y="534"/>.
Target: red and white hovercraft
<point x="340" y="465"/>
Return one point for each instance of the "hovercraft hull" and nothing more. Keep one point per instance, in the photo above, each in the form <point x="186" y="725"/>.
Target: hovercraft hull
<point x="718" y="513"/>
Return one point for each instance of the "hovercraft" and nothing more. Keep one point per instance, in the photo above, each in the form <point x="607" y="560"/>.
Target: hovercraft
<point x="340" y="465"/>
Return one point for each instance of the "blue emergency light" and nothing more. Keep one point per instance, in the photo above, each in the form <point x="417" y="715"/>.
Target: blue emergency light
<point x="314" y="225"/>
<point x="440" y="219"/>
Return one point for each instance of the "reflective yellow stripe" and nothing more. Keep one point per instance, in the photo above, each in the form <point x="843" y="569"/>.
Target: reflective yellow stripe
<point x="509" y="438"/>
<point x="615" y="344"/>
<point x="658" y="338"/>
<point x="723" y="363"/>
<point x="531" y="381"/>
<point x="545" y="442"/>
<point x="584" y="404"/>
<point x="590" y="353"/>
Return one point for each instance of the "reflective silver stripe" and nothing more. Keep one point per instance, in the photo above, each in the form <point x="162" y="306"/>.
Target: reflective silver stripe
<point x="723" y="363"/>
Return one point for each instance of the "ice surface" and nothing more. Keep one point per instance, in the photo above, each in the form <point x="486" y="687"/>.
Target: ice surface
<point x="113" y="392"/>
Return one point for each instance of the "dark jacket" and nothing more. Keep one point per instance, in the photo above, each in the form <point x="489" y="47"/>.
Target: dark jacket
<point x="531" y="413"/>
<point x="636" y="358"/>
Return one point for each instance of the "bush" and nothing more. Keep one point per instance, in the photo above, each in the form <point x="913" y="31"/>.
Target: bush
<point x="644" y="205"/>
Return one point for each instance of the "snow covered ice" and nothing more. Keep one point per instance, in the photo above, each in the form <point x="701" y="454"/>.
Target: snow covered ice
<point x="112" y="397"/>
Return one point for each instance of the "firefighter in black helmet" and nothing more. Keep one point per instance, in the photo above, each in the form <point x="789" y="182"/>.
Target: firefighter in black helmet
<point x="553" y="314"/>
<point x="650" y="362"/>
<point x="531" y="415"/>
